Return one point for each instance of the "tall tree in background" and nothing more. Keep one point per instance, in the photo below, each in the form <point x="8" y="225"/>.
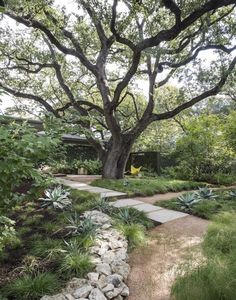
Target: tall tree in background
<point x="83" y="65"/>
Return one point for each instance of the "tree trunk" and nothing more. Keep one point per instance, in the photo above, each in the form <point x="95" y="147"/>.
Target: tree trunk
<point x="115" y="160"/>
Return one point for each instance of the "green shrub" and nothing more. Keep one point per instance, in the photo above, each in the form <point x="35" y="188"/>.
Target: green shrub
<point x="22" y="150"/>
<point x="32" y="287"/>
<point x="7" y="232"/>
<point x="134" y="233"/>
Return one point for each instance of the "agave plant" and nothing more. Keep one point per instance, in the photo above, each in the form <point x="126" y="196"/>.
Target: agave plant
<point x="188" y="200"/>
<point x="57" y="198"/>
<point x="76" y="226"/>
<point x="206" y="193"/>
<point x="104" y="206"/>
<point x="232" y="193"/>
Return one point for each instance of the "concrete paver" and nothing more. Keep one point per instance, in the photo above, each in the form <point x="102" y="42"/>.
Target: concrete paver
<point x="154" y="213"/>
<point x="147" y="207"/>
<point x="126" y="202"/>
<point x="165" y="215"/>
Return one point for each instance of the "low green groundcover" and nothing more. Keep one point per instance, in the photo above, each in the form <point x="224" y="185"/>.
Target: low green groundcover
<point x="222" y="201"/>
<point x="146" y="186"/>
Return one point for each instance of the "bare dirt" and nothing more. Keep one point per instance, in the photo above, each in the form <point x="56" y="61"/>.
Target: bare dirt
<point x="155" y="266"/>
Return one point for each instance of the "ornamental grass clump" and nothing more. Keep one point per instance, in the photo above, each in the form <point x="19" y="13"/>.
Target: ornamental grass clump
<point x="32" y="287"/>
<point x="214" y="277"/>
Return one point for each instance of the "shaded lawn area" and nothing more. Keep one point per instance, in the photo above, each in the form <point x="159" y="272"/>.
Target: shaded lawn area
<point x="205" y="209"/>
<point x="146" y="186"/>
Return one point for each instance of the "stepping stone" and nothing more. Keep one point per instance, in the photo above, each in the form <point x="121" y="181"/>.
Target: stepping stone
<point x="165" y="215"/>
<point x="71" y="183"/>
<point x="146" y="207"/>
<point x="111" y="194"/>
<point x="126" y="202"/>
<point x="104" y="193"/>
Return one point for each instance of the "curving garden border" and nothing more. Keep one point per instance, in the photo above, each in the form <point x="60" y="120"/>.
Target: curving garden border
<point x="110" y="256"/>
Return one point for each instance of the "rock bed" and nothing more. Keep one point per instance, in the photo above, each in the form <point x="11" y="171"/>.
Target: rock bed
<point x="109" y="254"/>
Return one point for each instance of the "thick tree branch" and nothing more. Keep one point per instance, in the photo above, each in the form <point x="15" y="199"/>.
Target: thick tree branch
<point x="173" y="7"/>
<point x="77" y="51"/>
<point x="38" y="99"/>
<point x="212" y="92"/>
<point x="195" y="54"/>
<point x="170" y="34"/>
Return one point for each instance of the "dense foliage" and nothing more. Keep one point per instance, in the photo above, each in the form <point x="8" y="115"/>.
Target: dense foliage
<point x="106" y="63"/>
<point x="203" y="152"/>
<point x="21" y="152"/>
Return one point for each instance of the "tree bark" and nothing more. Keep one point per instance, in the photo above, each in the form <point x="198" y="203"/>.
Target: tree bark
<point x="116" y="159"/>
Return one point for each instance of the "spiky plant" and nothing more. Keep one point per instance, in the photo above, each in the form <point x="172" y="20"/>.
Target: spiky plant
<point x="57" y="198"/>
<point x="232" y="193"/>
<point x="77" y="226"/>
<point x="104" y="206"/>
<point x="188" y="200"/>
<point x="206" y="193"/>
<point x="130" y="215"/>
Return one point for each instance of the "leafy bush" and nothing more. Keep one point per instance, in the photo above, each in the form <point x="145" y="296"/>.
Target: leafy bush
<point x="93" y="167"/>
<point x="134" y="233"/>
<point x="130" y="215"/>
<point x="71" y="167"/>
<point x="31" y="287"/>
<point x="197" y="151"/>
<point x="7" y="232"/>
<point x="21" y="152"/>
<point x="58" y="198"/>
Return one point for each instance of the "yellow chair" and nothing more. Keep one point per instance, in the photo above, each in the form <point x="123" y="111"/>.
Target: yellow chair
<point x="134" y="171"/>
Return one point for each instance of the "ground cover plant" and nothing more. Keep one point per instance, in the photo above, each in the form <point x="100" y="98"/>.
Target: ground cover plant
<point x="214" y="278"/>
<point x="205" y="203"/>
<point x="44" y="242"/>
<point x="146" y="186"/>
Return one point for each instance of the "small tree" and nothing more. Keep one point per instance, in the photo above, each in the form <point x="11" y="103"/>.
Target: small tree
<point x="82" y="65"/>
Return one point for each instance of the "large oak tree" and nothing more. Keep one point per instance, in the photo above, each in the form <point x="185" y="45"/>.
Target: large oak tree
<point x="84" y="65"/>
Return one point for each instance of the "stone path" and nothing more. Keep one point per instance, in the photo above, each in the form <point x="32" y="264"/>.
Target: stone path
<point x="169" y="249"/>
<point x="104" y="193"/>
<point x="155" y="213"/>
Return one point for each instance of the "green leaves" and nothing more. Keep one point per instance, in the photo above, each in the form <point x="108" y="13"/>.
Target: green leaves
<point x="21" y="153"/>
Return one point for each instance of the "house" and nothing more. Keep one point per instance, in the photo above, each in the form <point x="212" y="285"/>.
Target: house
<point x="77" y="147"/>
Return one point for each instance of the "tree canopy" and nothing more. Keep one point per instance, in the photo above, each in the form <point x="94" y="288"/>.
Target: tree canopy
<point x="83" y="65"/>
